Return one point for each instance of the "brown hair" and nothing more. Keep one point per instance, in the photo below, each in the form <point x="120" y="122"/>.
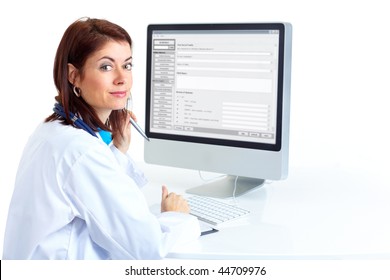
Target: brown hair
<point x="80" y="40"/>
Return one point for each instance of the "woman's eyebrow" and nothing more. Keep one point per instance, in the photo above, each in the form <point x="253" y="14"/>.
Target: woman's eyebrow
<point x="113" y="60"/>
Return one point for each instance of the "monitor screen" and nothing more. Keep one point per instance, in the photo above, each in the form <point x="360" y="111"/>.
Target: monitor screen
<point x="216" y="93"/>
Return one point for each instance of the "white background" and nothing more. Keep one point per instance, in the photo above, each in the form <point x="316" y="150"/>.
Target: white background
<point x="340" y="72"/>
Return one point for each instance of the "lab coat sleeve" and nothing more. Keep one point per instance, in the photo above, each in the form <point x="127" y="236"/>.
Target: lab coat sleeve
<point x="129" y="166"/>
<point x="116" y="213"/>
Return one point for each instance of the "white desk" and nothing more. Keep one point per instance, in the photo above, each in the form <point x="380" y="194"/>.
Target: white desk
<point x="314" y="214"/>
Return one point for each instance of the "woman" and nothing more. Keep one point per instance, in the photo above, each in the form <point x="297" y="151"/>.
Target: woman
<point x="76" y="192"/>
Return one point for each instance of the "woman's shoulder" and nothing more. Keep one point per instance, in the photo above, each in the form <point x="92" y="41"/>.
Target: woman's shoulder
<point x="66" y="138"/>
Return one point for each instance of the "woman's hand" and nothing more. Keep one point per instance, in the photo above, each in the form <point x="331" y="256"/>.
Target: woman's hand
<point x="173" y="202"/>
<point x="122" y="142"/>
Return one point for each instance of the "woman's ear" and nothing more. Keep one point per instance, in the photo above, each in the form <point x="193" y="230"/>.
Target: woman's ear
<point x="72" y="74"/>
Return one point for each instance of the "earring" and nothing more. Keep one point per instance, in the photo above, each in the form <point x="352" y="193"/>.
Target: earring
<point x="76" y="91"/>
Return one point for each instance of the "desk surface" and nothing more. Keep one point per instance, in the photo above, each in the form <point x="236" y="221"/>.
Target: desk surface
<point x="314" y="214"/>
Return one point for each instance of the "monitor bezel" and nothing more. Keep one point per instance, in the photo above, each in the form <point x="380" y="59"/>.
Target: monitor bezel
<point x="219" y="26"/>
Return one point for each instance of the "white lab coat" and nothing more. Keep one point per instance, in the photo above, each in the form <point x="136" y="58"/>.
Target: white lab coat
<point x="77" y="198"/>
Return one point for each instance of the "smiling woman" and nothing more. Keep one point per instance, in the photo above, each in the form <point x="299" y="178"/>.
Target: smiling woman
<point x="106" y="78"/>
<point x="76" y="192"/>
<point x="91" y="54"/>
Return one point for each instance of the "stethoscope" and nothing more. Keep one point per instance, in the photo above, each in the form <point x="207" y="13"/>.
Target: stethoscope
<point x="58" y="109"/>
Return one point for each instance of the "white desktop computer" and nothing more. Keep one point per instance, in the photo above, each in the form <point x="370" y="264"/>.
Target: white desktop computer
<point x="218" y="99"/>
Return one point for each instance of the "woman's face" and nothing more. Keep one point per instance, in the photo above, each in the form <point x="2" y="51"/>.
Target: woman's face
<point x="107" y="78"/>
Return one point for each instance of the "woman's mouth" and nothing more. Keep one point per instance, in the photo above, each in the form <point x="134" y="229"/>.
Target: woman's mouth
<point x="119" y="94"/>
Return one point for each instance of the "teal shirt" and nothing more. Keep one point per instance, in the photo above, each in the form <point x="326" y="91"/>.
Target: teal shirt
<point x="106" y="136"/>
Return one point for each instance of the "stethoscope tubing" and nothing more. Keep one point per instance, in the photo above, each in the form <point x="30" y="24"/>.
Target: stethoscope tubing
<point x="58" y="109"/>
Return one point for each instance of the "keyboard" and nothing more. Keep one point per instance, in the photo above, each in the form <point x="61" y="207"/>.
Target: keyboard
<point x="213" y="211"/>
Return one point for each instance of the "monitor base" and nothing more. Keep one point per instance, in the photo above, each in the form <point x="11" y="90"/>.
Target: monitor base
<point x="224" y="188"/>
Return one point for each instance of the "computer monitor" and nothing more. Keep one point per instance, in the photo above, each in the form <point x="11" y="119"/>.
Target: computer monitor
<point x="218" y="100"/>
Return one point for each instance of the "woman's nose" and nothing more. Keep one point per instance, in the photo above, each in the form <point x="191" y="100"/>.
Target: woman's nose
<point x="122" y="77"/>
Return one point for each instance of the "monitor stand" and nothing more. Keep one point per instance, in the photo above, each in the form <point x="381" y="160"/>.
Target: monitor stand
<point x="224" y="188"/>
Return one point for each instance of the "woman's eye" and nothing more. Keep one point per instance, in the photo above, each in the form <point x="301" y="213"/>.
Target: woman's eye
<point x="128" y="66"/>
<point x="106" y="67"/>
